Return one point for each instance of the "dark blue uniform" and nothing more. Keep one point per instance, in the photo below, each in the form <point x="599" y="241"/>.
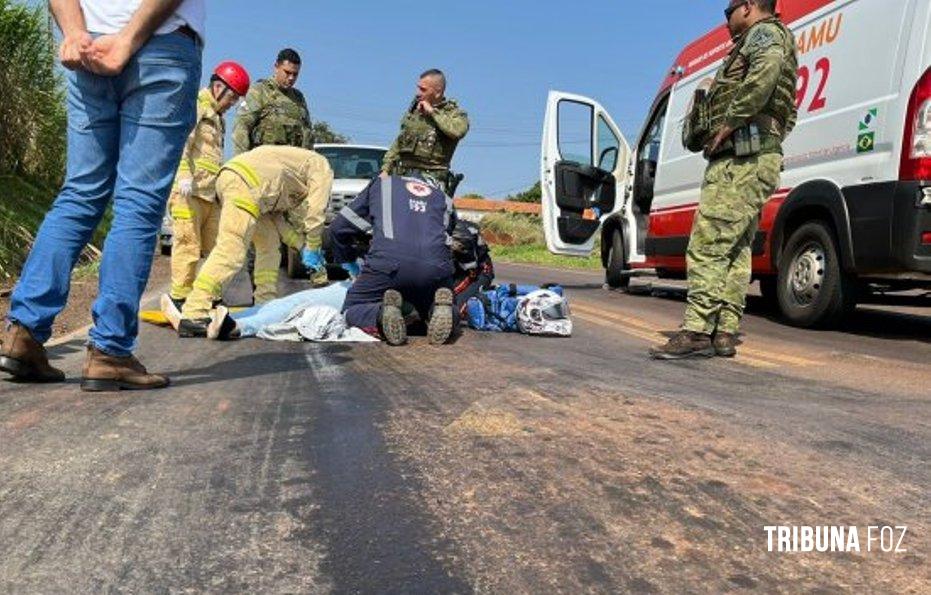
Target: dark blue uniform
<point x="411" y="224"/>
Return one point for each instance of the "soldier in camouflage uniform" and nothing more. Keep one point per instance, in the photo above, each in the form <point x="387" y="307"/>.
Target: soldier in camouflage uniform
<point x="274" y="113"/>
<point x="430" y="131"/>
<point x="749" y="110"/>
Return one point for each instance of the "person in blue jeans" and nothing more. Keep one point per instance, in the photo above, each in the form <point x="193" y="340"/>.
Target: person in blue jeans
<point x="132" y="84"/>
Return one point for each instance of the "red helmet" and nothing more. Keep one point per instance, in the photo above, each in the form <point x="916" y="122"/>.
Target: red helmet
<point x="234" y="75"/>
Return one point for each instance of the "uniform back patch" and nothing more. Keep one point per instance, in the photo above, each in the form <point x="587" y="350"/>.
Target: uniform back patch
<point x="418" y="189"/>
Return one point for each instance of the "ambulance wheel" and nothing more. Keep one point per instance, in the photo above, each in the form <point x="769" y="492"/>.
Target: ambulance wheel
<point x="812" y="289"/>
<point x="294" y="265"/>
<point x="617" y="263"/>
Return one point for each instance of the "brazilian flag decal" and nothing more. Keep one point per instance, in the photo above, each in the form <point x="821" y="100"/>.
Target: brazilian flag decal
<point x="866" y="142"/>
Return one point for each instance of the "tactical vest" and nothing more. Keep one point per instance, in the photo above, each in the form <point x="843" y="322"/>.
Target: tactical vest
<point x="421" y="145"/>
<point x="283" y="117"/>
<point x="778" y="116"/>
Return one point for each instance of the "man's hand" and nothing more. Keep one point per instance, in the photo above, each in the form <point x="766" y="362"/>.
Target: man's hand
<point x="72" y="48"/>
<point x="425" y="107"/>
<point x="108" y="54"/>
<point x="186" y="187"/>
<point x="719" y="139"/>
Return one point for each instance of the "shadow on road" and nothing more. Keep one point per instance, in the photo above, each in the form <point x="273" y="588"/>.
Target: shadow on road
<point x="251" y="366"/>
<point x="869" y="319"/>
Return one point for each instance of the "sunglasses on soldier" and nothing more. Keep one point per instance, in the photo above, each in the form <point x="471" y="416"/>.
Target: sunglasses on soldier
<point x="730" y="10"/>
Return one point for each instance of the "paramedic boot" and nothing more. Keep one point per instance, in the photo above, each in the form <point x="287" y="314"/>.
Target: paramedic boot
<point x="725" y="344"/>
<point x="104" y="373"/>
<point x="683" y="345"/>
<point x="25" y="358"/>
<point x="391" y="319"/>
<point x="440" y="325"/>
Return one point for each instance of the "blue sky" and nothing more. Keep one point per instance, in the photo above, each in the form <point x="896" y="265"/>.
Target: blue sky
<point x="362" y="58"/>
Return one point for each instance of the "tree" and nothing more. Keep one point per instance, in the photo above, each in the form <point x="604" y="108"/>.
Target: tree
<point x="323" y="134"/>
<point x="532" y="194"/>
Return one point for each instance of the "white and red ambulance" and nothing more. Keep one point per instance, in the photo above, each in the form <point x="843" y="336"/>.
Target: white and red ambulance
<point x="854" y="208"/>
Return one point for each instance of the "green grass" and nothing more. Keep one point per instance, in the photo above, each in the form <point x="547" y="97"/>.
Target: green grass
<point x="519" y="239"/>
<point x="539" y="255"/>
<point x="23" y="206"/>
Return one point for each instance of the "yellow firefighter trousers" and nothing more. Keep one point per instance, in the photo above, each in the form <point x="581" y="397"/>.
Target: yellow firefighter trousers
<point x="194" y="224"/>
<point x="238" y="227"/>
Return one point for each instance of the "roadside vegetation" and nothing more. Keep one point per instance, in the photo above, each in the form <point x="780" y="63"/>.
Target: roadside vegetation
<point x="518" y="238"/>
<point x="32" y="134"/>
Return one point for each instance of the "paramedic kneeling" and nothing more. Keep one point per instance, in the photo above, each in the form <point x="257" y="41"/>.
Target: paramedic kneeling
<point x="409" y="266"/>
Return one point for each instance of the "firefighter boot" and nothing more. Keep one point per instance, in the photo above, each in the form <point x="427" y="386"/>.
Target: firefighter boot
<point x="391" y="319"/>
<point x="25" y="358"/>
<point x="683" y="345"/>
<point x="725" y="344"/>
<point x="104" y="373"/>
<point x="193" y="328"/>
<point x="440" y="325"/>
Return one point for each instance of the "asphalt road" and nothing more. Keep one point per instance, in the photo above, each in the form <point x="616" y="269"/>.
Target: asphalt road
<point x="503" y="463"/>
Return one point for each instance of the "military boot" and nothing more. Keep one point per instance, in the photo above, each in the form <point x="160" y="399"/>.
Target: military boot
<point x="725" y="344"/>
<point x="104" y="373"/>
<point x="683" y="345"/>
<point x="25" y="358"/>
<point x="391" y="320"/>
<point x="440" y="325"/>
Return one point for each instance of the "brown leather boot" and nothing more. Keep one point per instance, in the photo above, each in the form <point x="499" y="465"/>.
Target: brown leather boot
<point x="684" y="344"/>
<point x="25" y="358"/>
<point x="104" y="373"/>
<point x="725" y="344"/>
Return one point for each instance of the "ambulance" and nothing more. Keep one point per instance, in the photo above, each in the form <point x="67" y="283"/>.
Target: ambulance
<point x="854" y="207"/>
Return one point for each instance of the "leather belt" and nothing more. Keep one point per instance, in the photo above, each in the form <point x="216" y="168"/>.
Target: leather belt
<point x="188" y="32"/>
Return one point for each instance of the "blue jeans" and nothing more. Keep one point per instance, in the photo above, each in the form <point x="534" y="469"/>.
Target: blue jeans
<point x="251" y="321"/>
<point x="125" y="137"/>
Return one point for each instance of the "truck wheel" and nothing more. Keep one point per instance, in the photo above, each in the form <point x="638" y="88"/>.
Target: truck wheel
<point x="617" y="263"/>
<point x="295" y="267"/>
<point x="811" y="287"/>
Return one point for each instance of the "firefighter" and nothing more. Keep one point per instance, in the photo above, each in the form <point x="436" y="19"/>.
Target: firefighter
<point x="409" y="266"/>
<point x="256" y="190"/>
<point x="193" y="206"/>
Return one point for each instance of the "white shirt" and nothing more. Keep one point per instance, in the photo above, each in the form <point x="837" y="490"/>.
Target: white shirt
<point x="110" y="16"/>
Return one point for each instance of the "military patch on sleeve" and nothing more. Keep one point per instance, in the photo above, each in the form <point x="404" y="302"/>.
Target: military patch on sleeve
<point x="760" y="39"/>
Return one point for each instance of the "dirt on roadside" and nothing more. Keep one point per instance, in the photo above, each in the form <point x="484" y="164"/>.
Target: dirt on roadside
<point x="77" y="313"/>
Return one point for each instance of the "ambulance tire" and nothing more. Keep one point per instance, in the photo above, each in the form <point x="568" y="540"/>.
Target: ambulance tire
<point x="617" y="263"/>
<point x="812" y="289"/>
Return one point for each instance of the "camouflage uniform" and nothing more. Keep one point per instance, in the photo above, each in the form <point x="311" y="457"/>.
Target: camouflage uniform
<point x="271" y="115"/>
<point x="427" y="142"/>
<point x="195" y="219"/>
<point x="756" y="84"/>
<point x="256" y="190"/>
